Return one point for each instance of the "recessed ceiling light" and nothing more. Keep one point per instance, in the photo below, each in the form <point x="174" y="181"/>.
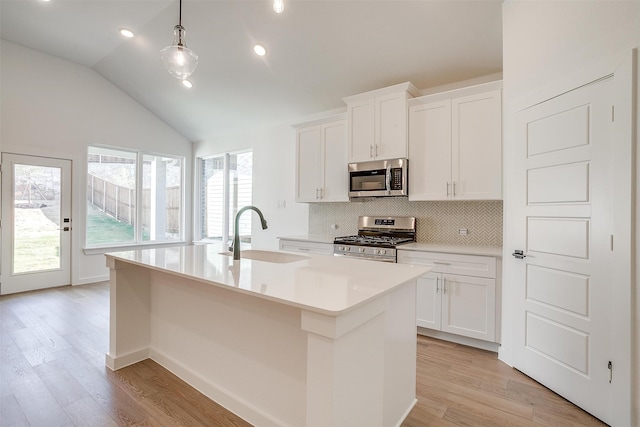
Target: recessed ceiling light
<point x="126" y="33"/>
<point x="260" y="50"/>
<point x="278" y="6"/>
<point x="187" y="83"/>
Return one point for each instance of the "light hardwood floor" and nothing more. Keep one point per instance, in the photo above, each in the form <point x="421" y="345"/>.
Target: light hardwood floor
<point x="52" y="373"/>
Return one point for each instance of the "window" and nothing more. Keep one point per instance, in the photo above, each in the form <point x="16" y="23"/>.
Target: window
<point x="225" y="187"/>
<point x="133" y="197"/>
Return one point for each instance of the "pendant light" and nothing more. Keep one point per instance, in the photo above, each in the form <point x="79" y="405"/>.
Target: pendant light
<point x="178" y="59"/>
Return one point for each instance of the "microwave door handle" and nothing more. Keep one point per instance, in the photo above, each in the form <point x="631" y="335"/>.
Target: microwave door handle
<point x="388" y="180"/>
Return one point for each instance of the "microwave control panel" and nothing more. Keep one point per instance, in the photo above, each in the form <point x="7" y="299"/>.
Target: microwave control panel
<point x="396" y="179"/>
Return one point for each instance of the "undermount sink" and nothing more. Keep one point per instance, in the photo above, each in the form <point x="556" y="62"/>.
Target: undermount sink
<point x="267" y="256"/>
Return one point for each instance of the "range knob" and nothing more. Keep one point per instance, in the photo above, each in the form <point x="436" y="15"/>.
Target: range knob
<point x="345" y="248"/>
<point x="361" y="250"/>
<point x="381" y="251"/>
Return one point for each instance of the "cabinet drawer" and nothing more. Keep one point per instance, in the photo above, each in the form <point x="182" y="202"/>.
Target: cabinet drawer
<point x="306" y="247"/>
<point x="468" y="265"/>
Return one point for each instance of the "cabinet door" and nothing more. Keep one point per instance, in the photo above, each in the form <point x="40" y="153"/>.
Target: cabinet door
<point x="428" y="311"/>
<point x="477" y="146"/>
<point x="308" y="150"/>
<point x="391" y="126"/>
<point x="468" y="306"/>
<point x="335" y="173"/>
<point x="430" y="151"/>
<point x="361" y="118"/>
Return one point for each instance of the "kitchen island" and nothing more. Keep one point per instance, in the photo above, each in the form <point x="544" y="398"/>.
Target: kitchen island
<point x="279" y="338"/>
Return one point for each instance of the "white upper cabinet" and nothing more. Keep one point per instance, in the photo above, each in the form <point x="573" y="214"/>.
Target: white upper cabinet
<point x="476" y="149"/>
<point x="361" y="130"/>
<point x="455" y="146"/>
<point x="377" y="123"/>
<point x="430" y="151"/>
<point x="321" y="157"/>
<point x="308" y="154"/>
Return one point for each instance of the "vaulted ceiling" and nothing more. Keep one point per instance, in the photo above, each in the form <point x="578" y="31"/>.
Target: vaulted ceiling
<point x="319" y="51"/>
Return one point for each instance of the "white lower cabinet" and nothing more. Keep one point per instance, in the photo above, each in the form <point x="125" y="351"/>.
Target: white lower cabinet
<point x="315" y="248"/>
<point x="461" y="304"/>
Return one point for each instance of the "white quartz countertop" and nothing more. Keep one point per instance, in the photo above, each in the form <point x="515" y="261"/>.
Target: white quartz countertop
<point x="317" y="238"/>
<point x="327" y="285"/>
<point x="453" y="249"/>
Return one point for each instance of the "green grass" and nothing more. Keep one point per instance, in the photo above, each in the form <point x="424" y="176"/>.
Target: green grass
<point x="36" y="242"/>
<point x="36" y="254"/>
<point x="103" y="229"/>
<point x="37" y="238"/>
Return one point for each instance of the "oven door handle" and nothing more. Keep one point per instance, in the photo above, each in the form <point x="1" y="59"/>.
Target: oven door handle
<point x="366" y="258"/>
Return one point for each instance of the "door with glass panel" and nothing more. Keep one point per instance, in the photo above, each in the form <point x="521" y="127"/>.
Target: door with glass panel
<point x="36" y="223"/>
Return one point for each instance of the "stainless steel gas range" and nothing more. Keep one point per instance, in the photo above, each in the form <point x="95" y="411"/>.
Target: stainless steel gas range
<point x="377" y="238"/>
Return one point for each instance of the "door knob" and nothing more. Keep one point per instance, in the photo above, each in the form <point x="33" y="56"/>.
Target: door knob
<point x="518" y="254"/>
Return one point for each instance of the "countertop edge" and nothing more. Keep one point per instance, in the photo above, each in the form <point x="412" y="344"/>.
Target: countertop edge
<point x="327" y="312"/>
<point x="314" y="238"/>
<point x="495" y="251"/>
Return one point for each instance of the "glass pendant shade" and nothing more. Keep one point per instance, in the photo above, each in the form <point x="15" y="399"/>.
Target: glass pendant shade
<point x="178" y="59"/>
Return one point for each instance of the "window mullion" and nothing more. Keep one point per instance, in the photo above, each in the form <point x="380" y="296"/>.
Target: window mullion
<point x="225" y="198"/>
<point x="202" y="197"/>
<point x="139" y="196"/>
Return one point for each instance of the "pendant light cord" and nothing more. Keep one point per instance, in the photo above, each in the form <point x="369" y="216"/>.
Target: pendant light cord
<point x="180" y="15"/>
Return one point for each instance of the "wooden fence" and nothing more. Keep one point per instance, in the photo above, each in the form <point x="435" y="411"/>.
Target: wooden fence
<point x="120" y="203"/>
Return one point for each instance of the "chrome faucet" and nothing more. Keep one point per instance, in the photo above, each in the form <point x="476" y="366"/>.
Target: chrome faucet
<point x="235" y="246"/>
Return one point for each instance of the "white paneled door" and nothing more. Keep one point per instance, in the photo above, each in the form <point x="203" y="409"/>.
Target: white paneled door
<point x="564" y="313"/>
<point x="36" y="223"/>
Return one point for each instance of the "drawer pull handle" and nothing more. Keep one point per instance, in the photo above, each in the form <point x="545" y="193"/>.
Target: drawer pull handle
<point x="441" y="263"/>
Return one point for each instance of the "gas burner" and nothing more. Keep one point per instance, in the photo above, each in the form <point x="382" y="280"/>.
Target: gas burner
<point x="377" y="238"/>
<point x="378" y="241"/>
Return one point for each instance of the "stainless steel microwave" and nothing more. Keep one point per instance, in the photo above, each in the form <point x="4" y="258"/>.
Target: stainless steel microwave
<point x="379" y="178"/>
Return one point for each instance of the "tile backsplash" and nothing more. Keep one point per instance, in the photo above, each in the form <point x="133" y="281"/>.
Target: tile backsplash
<point x="437" y="222"/>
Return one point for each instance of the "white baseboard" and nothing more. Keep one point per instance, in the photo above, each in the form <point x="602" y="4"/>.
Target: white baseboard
<point x="115" y="363"/>
<point x="459" y="339"/>
<point x="93" y="279"/>
<point x="406" y="413"/>
<point x="221" y="396"/>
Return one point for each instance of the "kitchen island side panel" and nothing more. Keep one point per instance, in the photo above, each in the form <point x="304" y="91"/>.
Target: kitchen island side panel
<point x="400" y="354"/>
<point x="245" y="353"/>
<point x="368" y="358"/>
<point x="129" y="320"/>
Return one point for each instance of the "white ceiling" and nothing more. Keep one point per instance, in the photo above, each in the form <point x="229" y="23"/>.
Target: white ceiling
<point x="318" y="51"/>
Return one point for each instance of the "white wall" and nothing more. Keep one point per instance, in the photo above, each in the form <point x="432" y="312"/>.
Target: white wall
<point x="543" y="42"/>
<point x="56" y="108"/>
<point x="274" y="162"/>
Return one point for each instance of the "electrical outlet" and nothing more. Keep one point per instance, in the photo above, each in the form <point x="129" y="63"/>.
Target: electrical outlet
<point x="281" y="204"/>
<point x="463" y="231"/>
